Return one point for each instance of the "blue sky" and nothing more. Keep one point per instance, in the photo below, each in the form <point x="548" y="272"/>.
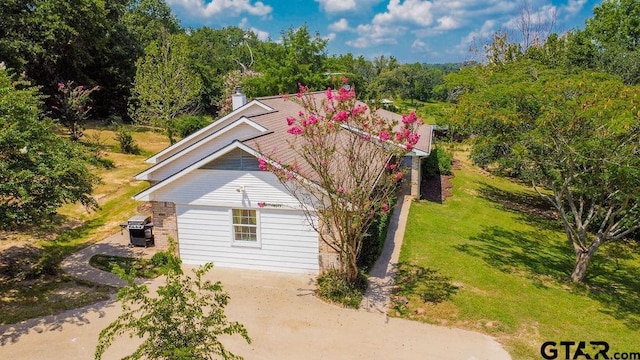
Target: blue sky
<point x="426" y="31"/>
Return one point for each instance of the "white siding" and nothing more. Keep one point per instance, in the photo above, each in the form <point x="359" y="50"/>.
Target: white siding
<point x="288" y="243"/>
<point x="224" y="188"/>
<point x="201" y="150"/>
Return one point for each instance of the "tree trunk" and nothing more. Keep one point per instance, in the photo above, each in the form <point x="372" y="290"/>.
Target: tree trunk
<point x="583" y="257"/>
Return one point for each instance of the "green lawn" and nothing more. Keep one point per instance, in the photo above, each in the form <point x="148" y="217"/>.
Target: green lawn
<point x="500" y="246"/>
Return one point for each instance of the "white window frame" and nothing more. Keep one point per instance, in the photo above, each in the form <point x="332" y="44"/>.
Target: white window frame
<point x="245" y="243"/>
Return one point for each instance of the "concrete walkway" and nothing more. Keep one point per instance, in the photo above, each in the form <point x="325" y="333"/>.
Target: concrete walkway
<point x="117" y="245"/>
<point x="381" y="276"/>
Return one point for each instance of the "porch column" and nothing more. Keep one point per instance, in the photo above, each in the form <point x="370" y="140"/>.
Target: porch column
<point x="416" y="175"/>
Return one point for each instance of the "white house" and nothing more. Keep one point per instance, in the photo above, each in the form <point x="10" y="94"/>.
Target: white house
<point x="207" y="190"/>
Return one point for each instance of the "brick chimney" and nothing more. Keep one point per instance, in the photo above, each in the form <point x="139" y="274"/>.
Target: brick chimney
<point x="238" y="99"/>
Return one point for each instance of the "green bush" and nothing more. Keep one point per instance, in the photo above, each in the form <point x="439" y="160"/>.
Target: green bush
<point x="125" y="139"/>
<point x="437" y="163"/>
<point x="376" y="235"/>
<point x="186" y="125"/>
<point x="332" y="286"/>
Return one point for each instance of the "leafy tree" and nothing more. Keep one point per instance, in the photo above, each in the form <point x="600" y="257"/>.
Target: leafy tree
<point x="215" y="54"/>
<point x="39" y="171"/>
<point x="298" y="60"/>
<point x="72" y="107"/>
<point x="166" y="86"/>
<point x="184" y="321"/>
<point x="575" y="135"/>
<point x="349" y="174"/>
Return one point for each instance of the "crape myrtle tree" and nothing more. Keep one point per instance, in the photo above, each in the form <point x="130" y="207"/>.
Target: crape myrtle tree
<point x="347" y="166"/>
<point x="72" y="107"/>
<point x="575" y="138"/>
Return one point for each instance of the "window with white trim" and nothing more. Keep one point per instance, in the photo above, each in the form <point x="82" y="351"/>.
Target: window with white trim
<point x="245" y="226"/>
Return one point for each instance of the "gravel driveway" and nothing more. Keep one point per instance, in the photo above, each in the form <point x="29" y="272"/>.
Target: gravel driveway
<point x="283" y="318"/>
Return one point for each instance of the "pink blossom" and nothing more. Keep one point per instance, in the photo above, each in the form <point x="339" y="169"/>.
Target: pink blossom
<point x="302" y="90"/>
<point x="409" y="119"/>
<point x="340" y="116"/>
<point x="358" y="109"/>
<point x="413" y="138"/>
<point x="329" y="94"/>
<point x="290" y="121"/>
<point x="344" y="94"/>
<point x="399" y="136"/>
<point x="340" y="190"/>
<point x="262" y="204"/>
<point x="390" y="166"/>
<point x="262" y="164"/>
<point x="312" y="120"/>
<point x="384" y="135"/>
<point x="60" y="86"/>
<point x="398" y="176"/>
<point x="300" y="113"/>
<point x="344" y="80"/>
<point x="295" y="130"/>
<point x="409" y="146"/>
<point x="385" y="207"/>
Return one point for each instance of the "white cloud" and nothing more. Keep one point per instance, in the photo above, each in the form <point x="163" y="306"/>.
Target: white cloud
<point x="334" y="6"/>
<point x="373" y="34"/>
<point x="544" y="16"/>
<point x="477" y="37"/>
<point x="574" y="6"/>
<point x="447" y="23"/>
<point x="222" y="7"/>
<point x="338" y="6"/>
<point x="340" y="25"/>
<point x="330" y="37"/>
<point x="419" y="45"/>
<point x="412" y="11"/>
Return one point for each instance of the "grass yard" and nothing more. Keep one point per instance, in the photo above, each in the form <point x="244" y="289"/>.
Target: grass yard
<point x="74" y="228"/>
<point x="501" y="247"/>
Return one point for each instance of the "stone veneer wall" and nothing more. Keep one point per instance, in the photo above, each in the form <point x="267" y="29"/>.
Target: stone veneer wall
<point x="165" y="223"/>
<point x="327" y="257"/>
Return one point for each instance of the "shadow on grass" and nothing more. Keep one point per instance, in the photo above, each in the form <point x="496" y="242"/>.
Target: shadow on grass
<point x="530" y="207"/>
<point x="426" y="283"/>
<point x="612" y="278"/>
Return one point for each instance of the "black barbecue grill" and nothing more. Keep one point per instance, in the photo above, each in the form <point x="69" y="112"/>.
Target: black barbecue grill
<point x="140" y="230"/>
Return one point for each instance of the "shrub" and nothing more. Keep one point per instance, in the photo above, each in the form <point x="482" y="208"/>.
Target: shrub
<point x="125" y="139"/>
<point x="377" y="234"/>
<point x="186" y="125"/>
<point x="333" y="287"/>
<point x="437" y="163"/>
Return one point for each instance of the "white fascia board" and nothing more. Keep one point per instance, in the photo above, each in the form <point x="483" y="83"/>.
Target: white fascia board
<point x="243" y="120"/>
<point x="144" y="195"/>
<point x="154" y="159"/>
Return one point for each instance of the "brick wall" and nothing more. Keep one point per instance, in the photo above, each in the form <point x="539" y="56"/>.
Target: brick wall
<point x="165" y="223"/>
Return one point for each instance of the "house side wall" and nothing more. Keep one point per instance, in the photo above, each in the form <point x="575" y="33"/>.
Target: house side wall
<point x="286" y="242"/>
<point x="240" y="132"/>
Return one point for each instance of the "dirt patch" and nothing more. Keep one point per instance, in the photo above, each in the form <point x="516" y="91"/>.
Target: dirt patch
<point x="437" y="189"/>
